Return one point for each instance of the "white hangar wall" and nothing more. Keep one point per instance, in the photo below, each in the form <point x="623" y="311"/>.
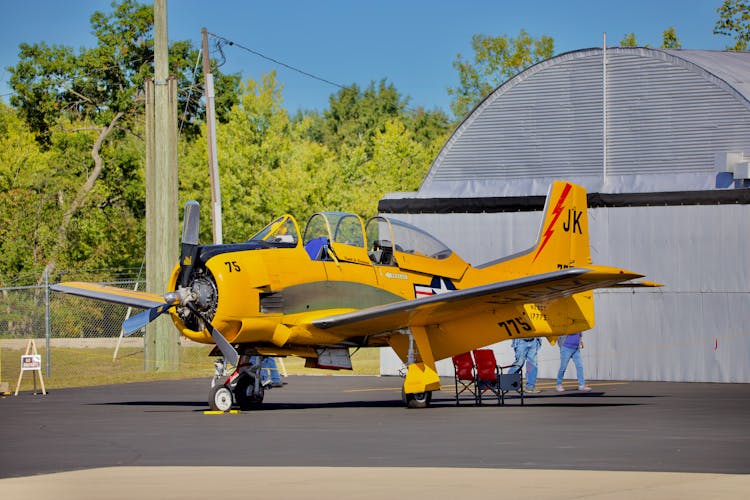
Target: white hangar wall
<point x="694" y="329"/>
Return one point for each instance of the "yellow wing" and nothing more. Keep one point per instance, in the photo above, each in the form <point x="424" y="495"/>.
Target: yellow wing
<point x="457" y="304"/>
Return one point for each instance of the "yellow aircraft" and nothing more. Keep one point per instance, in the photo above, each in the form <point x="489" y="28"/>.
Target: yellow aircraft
<point x="342" y="284"/>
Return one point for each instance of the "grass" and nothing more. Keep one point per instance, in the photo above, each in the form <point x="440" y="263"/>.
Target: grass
<point x="76" y="367"/>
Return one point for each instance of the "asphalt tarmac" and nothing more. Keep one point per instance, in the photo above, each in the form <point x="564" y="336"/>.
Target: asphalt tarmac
<point x="351" y="436"/>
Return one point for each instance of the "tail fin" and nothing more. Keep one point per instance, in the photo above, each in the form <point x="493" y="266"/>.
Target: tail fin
<point x="564" y="237"/>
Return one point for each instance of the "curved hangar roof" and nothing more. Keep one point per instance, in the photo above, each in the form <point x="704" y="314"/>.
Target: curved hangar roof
<point x="671" y="118"/>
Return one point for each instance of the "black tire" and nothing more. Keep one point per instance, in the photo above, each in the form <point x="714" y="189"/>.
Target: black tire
<point x="243" y="393"/>
<point x="416" y="400"/>
<point x="220" y="398"/>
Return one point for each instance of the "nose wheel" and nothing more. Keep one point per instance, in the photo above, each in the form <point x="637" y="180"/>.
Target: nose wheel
<point x="220" y="398"/>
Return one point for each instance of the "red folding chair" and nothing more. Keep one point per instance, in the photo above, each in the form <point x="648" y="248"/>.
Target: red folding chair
<point x="465" y="376"/>
<point x="488" y="374"/>
<point x="490" y="377"/>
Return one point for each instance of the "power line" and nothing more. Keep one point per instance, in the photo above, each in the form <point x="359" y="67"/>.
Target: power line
<point x="275" y="61"/>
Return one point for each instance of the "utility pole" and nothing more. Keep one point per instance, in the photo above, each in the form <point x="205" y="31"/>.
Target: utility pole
<point x="213" y="161"/>
<point x="161" y="344"/>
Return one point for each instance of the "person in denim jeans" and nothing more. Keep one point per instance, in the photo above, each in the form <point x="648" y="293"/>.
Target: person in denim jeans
<point x="526" y="352"/>
<point x="269" y="374"/>
<point x="570" y="347"/>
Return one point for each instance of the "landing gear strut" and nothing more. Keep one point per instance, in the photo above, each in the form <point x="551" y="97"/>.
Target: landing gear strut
<point x="243" y="387"/>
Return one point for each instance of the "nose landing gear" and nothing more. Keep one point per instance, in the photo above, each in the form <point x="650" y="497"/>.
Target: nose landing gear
<point x="244" y="387"/>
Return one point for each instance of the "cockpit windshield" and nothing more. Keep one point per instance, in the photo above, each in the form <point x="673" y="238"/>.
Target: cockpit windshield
<point x="382" y="232"/>
<point x="282" y="230"/>
<point x="335" y="236"/>
<point x="340" y="227"/>
<point x="413" y="240"/>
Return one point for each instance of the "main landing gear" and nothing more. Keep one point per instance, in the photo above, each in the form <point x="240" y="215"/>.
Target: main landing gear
<point x="244" y="387"/>
<point x="416" y="400"/>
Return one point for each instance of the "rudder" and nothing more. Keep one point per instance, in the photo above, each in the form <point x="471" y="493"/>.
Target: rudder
<point x="564" y="236"/>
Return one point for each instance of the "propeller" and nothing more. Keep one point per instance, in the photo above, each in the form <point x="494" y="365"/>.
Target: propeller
<point x="188" y="254"/>
<point x="184" y="296"/>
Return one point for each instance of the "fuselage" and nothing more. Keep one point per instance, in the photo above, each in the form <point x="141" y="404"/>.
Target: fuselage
<point x="268" y="290"/>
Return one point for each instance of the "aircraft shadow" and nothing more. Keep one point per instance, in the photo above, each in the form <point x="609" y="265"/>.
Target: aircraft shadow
<point x="150" y="403"/>
<point x="593" y="399"/>
<point x="201" y="406"/>
<point x="540" y="400"/>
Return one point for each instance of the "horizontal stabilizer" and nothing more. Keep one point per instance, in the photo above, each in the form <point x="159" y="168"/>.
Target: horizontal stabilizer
<point x="637" y="284"/>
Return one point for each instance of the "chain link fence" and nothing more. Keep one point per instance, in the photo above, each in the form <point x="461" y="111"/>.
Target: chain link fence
<point x="79" y="339"/>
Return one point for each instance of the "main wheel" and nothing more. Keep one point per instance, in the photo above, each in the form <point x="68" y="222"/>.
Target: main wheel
<point x="246" y="398"/>
<point x="417" y="399"/>
<point x="220" y="398"/>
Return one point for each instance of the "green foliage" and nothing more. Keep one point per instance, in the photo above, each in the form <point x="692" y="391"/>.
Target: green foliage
<point x="496" y="59"/>
<point x="72" y="155"/>
<point x="270" y="164"/>
<point x="734" y="21"/>
<point x="97" y="83"/>
<point x="28" y="204"/>
<point x="85" y="109"/>
<point x="428" y="127"/>
<point x="629" y="41"/>
<point x="355" y="116"/>
<point x="266" y="167"/>
<point x="670" y="40"/>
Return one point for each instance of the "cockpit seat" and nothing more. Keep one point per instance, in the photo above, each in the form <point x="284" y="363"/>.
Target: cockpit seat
<point x="382" y="252"/>
<point x="316" y="248"/>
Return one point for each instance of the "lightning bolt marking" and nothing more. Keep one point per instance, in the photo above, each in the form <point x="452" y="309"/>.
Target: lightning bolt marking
<point x="556" y="215"/>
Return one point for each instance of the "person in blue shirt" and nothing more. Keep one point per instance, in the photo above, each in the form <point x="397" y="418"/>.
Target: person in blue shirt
<point x="526" y="352"/>
<point x="570" y="347"/>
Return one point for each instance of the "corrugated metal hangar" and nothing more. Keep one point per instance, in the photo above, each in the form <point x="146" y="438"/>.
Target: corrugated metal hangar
<point x="661" y="141"/>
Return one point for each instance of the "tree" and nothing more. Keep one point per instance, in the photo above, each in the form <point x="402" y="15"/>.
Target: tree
<point x="267" y="165"/>
<point x="399" y="162"/>
<point x="734" y="21"/>
<point x="97" y="94"/>
<point x="430" y="128"/>
<point x="496" y="59"/>
<point x="28" y="198"/>
<point x="354" y="116"/>
<point x="669" y="39"/>
<point x="629" y="41"/>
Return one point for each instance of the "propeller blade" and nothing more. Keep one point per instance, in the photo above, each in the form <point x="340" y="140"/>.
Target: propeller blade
<point x="135" y="323"/>
<point x="227" y="350"/>
<point x="191" y="223"/>
<point x="190" y="230"/>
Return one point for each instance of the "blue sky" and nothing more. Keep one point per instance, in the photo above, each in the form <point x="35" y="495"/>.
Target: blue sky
<point x="410" y="43"/>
